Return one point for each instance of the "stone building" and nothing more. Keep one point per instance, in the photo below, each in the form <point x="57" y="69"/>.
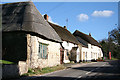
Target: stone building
<point x="28" y="40"/>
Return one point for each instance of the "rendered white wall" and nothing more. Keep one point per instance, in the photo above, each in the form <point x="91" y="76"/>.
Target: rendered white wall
<point x="53" y="53"/>
<point x="67" y="46"/>
<point x="93" y="52"/>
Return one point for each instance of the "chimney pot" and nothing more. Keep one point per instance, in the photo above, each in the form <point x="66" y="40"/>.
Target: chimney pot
<point x="89" y="34"/>
<point x="46" y="17"/>
<point x="65" y="27"/>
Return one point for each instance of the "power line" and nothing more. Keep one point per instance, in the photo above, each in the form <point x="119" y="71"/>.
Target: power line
<point x="55" y="7"/>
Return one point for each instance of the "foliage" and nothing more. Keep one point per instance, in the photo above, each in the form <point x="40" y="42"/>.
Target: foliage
<point x="112" y="44"/>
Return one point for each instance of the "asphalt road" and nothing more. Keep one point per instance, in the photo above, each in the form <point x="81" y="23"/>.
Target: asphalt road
<point x="109" y="70"/>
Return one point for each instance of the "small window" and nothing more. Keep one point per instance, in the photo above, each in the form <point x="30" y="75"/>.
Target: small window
<point x="91" y="55"/>
<point x="42" y="52"/>
<point x="67" y="43"/>
<point x="91" y="47"/>
<point x="86" y="55"/>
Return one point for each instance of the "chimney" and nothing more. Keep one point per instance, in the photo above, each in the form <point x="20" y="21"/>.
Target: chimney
<point x="65" y="27"/>
<point x="89" y="34"/>
<point x="46" y="17"/>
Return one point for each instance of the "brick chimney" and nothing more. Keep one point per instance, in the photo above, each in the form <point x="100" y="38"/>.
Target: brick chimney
<point x="46" y="17"/>
<point x="89" y="34"/>
<point x="65" y="27"/>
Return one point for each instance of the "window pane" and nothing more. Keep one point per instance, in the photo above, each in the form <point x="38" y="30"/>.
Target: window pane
<point x="42" y="52"/>
<point x="45" y="47"/>
<point x="39" y="51"/>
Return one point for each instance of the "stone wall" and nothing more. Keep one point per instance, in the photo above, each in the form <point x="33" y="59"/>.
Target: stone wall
<point x="33" y="47"/>
<point x="22" y="49"/>
<point x="23" y="67"/>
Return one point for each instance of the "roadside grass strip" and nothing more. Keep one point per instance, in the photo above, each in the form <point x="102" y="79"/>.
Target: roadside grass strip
<point x="40" y="71"/>
<point x="5" y="62"/>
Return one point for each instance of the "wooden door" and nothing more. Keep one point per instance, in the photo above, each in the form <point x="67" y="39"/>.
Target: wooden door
<point x="61" y="55"/>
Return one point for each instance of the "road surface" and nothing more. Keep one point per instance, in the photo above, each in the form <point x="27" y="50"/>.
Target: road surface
<point x="109" y="70"/>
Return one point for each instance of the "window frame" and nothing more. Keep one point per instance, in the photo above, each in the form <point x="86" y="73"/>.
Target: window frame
<point x="44" y="50"/>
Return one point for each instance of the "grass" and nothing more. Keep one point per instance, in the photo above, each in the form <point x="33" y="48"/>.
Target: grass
<point x="39" y="71"/>
<point x="5" y="62"/>
<point x="112" y="58"/>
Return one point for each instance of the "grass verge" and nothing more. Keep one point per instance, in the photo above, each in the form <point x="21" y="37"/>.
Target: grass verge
<point x="38" y="71"/>
<point x="5" y="62"/>
<point x="112" y="58"/>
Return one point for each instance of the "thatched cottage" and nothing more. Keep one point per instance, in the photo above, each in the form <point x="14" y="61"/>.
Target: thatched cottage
<point x="91" y="49"/>
<point x="70" y="49"/>
<point x="28" y="40"/>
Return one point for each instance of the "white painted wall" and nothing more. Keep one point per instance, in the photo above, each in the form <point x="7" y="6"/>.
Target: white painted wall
<point x="96" y="51"/>
<point x="53" y="53"/>
<point x="84" y="50"/>
<point x="67" y="47"/>
<point x="92" y="52"/>
<point x="78" y="55"/>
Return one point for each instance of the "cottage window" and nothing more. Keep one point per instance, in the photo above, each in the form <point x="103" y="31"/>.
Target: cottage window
<point x="67" y="43"/>
<point x="42" y="52"/>
<point x="86" y="55"/>
<point x="91" y="55"/>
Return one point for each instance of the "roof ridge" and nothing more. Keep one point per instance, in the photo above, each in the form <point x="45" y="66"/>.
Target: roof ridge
<point x="86" y="34"/>
<point x="88" y="38"/>
<point x="65" y="31"/>
<point x="82" y="32"/>
<point x="17" y="2"/>
<point x="58" y="25"/>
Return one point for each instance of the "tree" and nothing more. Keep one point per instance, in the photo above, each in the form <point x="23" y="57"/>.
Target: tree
<point x="104" y="44"/>
<point x="115" y="37"/>
<point x="112" y="44"/>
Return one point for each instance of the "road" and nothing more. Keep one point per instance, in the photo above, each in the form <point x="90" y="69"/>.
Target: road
<point x="109" y="70"/>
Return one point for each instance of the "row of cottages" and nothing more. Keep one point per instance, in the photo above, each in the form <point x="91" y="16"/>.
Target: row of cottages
<point x="91" y="49"/>
<point x="31" y="41"/>
<point x="27" y="39"/>
<point x="85" y="48"/>
<point x="70" y="50"/>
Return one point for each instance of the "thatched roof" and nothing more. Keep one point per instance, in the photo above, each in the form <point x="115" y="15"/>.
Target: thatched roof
<point x="83" y="42"/>
<point x="23" y="16"/>
<point x="87" y="38"/>
<point x="64" y="34"/>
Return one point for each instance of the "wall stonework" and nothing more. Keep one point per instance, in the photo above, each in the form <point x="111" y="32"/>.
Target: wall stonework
<point x="53" y="53"/>
<point x="23" y="68"/>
